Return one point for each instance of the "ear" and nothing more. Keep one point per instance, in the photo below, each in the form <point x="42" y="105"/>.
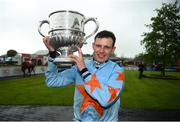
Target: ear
<point x="113" y="49"/>
<point x="93" y="45"/>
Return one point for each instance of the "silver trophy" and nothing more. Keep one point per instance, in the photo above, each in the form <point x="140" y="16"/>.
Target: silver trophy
<point x="66" y="31"/>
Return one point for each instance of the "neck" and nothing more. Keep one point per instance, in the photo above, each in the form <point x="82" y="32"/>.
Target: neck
<point x="97" y="62"/>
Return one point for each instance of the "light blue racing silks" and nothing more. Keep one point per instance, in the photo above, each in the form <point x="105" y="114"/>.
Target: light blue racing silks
<point x="97" y="92"/>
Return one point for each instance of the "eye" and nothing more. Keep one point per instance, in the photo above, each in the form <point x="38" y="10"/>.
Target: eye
<point x="104" y="47"/>
<point x="98" y="46"/>
<point x="107" y="47"/>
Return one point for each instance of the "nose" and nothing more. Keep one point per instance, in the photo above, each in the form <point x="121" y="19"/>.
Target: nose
<point x="101" y="49"/>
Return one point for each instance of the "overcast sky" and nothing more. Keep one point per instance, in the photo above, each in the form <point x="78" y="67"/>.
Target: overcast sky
<point x="19" y="20"/>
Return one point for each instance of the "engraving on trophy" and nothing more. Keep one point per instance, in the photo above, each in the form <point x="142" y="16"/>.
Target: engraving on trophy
<point x="76" y="24"/>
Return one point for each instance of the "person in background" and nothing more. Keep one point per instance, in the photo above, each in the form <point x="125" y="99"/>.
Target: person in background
<point x="141" y="69"/>
<point x="98" y="82"/>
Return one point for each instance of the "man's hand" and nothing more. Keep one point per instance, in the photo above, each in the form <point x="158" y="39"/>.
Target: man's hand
<point x="47" y="43"/>
<point x="78" y="59"/>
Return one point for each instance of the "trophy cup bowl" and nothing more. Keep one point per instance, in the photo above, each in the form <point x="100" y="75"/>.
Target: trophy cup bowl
<point x="66" y="31"/>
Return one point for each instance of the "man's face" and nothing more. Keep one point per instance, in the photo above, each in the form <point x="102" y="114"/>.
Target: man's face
<point x="102" y="49"/>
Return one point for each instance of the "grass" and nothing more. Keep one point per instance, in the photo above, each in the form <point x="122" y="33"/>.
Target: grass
<point x="32" y="90"/>
<point x="150" y="93"/>
<point x="137" y="93"/>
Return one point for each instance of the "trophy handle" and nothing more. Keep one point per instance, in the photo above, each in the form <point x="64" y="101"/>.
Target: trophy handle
<point x="95" y="30"/>
<point x="40" y="25"/>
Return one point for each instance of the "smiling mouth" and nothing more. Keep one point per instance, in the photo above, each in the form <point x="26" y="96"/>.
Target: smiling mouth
<point x="101" y="56"/>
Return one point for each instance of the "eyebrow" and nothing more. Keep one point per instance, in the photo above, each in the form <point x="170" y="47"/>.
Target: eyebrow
<point x="103" y="46"/>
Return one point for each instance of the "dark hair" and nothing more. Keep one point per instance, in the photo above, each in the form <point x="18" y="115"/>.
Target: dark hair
<point x="106" y="34"/>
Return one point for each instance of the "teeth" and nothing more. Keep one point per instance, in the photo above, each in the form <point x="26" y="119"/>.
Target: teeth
<point x="101" y="56"/>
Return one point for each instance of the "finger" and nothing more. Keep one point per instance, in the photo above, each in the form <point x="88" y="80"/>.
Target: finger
<point x="46" y="40"/>
<point x="69" y="51"/>
<point x="73" y="58"/>
<point x="79" y="51"/>
<point x="47" y="43"/>
<point x="81" y="42"/>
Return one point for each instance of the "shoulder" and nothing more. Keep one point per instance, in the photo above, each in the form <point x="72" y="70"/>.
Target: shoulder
<point x="114" y="65"/>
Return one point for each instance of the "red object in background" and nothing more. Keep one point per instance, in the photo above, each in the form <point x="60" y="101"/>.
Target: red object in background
<point x="178" y="66"/>
<point x="25" y="57"/>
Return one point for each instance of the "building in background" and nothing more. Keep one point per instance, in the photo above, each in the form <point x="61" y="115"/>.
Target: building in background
<point x="41" y="58"/>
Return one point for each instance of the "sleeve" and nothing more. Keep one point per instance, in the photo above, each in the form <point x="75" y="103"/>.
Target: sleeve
<point x="105" y="93"/>
<point x="55" y="78"/>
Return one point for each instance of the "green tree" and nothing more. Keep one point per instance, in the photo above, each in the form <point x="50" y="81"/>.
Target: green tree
<point x="162" y="43"/>
<point x="11" y="53"/>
